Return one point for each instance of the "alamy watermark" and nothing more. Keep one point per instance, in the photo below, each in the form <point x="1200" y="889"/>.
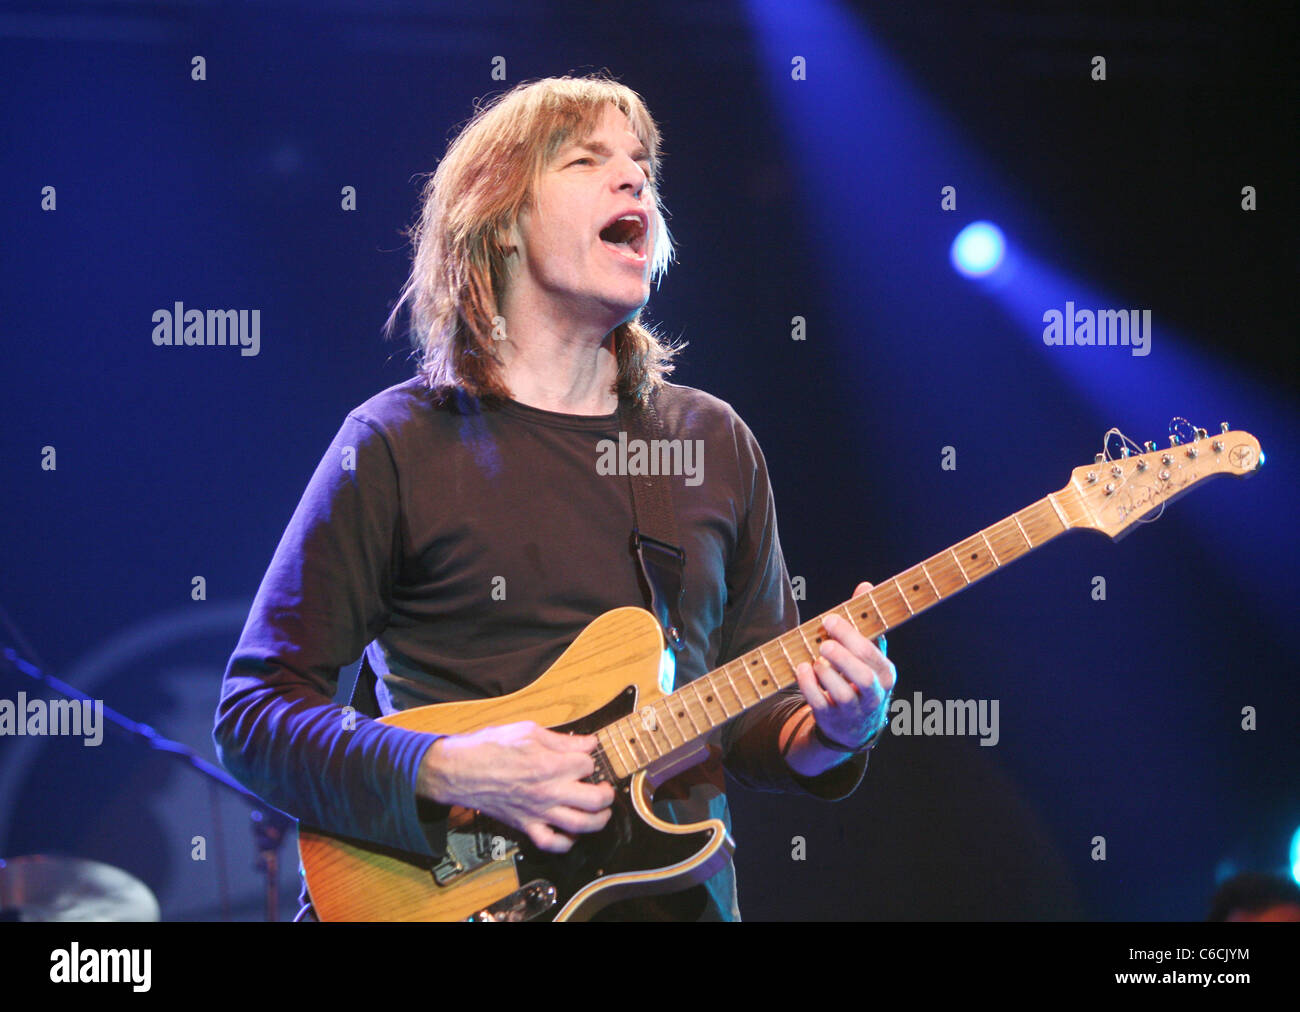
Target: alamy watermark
<point x="82" y="718"/>
<point x="75" y="965"/>
<point x="655" y="456"/>
<point x="241" y="328"/>
<point x="919" y="716"/>
<point x="1128" y="327"/>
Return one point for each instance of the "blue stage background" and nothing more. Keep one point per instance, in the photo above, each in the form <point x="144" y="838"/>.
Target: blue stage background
<point x="817" y="198"/>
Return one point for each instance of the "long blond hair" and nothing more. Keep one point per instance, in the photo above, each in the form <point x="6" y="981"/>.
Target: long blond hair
<point x="490" y="172"/>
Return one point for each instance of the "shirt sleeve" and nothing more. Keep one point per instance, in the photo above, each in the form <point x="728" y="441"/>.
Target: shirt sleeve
<point x="761" y="606"/>
<point x="324" y="597"/>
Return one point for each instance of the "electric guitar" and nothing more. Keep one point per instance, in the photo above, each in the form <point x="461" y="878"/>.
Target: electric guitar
<point x="615" y="681"/>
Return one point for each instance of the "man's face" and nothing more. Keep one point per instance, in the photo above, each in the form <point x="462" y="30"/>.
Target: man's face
<point x="563" y="262"/>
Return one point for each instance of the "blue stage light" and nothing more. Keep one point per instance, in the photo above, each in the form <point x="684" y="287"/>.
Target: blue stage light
<point x="978" y="249"/>
<point x="1295" y="856"/>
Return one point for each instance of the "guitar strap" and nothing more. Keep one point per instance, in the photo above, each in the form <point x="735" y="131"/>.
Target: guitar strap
<point x="654" y="529"/>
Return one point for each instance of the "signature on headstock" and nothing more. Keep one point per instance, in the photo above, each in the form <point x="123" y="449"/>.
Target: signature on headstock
<point x="1143" y="491"/>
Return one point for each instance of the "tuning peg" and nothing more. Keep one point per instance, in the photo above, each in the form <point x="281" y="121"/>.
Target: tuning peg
<point x="1100" y="459"/>
<point x="1201" y="433"/>
<point x="1173" y="439"/>
<point x="1150" y="446"/>
<point x="1124" y="451"/>
<point x="1223" y="426"/>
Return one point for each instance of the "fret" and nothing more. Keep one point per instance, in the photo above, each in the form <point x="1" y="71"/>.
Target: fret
<point x="960" y="567"/>
<point x="1060" y="514"/>
<point x="613" y="755"/>
<point x="947" y="576"/>
<point x="604" y="772"/>
<point x="686" y="709"/>
<point x="899" y="588"/>
<point x="977" y="560"/>
<point x="885" y="615"/>
<point x="661" y="724"/>
<point x="713" y="722"/>
<point x="745" y="668"/>
<point x="914" y="586"/>
<point x="694" y="687"/>
<point x="814" y="654"/>
<point x="926" y="572"/>
<point x="1028" y="543"/>
<point x="642" y="739"/>
<point x="870" y="612"/>
<point x="1006" y="536"/>
<point x="672" y="706"/>
<point x="996" y="560"/>
<point x="1046" y="518"/>
<point x="716" y="686"/>
<point x="771" y="673"/>
<point x="780" y="641"/>
<point x="613" y="728"/>
<point x="731" y="683"/>
<point x="634" y="746"/>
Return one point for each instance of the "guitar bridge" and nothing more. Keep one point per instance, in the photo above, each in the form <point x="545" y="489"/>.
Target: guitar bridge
<point x="523" y="904"/>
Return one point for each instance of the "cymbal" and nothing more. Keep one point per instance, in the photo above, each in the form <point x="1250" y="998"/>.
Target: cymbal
<point x="45" y="888"/>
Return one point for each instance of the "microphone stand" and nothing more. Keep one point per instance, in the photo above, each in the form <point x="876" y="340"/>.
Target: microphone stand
<point x="269" y="825"/>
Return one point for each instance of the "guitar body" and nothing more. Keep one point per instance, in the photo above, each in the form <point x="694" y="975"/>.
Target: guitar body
<point x="491" y="872"/>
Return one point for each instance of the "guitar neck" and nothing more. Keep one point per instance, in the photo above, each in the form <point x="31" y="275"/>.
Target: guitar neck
<point x="676" y="722"/>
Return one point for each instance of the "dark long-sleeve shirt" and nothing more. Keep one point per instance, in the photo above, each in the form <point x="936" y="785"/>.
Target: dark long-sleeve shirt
<point x="462" y="549"/>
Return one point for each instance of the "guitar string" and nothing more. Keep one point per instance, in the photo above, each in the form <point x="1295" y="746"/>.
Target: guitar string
<point x="1014" y="541"/>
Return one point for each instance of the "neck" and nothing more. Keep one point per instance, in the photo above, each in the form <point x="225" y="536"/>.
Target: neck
<point x="555" y="363"/>
<point x="674" y="723"/>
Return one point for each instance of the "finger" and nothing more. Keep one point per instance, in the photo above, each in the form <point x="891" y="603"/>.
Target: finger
<point x="848" y="666"/>
<point x="889" y="677"/>
<point x="846" y="634"/>
<point x="861" y="588"/>
<point x="838" y="686"/>
<point x="571" y="820"/>
<point x="588" y="797"/>
<point x="814" y="695"/>
<point x="858" y="647"/>
<point x="565" y="742"/>
<point x="548" y="839"/>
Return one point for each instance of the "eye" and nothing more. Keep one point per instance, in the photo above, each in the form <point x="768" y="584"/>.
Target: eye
<point x="578" y="161"/>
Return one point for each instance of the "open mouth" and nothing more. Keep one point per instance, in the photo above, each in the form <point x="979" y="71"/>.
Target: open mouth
<point x="626" y="235"/>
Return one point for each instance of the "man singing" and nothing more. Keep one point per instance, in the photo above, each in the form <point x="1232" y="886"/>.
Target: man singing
<point x="460" y="535"/>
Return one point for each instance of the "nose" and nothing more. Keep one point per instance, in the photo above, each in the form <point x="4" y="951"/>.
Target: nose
<point x="631" y="177"/>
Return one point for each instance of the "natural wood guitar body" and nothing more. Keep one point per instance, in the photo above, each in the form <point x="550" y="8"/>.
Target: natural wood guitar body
<point x="611" y="670"/>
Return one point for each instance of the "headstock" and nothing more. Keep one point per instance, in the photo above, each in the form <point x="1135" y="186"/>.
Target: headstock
<point x="1112" y="494"/>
